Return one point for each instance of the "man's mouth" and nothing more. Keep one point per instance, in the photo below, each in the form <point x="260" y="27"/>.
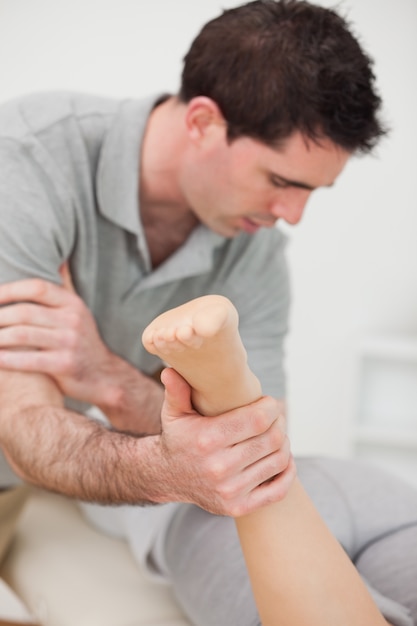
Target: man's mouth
<point x="250" y="226"/>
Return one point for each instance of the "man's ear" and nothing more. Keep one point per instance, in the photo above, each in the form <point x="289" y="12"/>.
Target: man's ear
<point x="202" y="118"/>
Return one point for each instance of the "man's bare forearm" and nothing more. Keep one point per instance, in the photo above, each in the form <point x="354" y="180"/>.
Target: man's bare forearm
<point x="65" y="452"/>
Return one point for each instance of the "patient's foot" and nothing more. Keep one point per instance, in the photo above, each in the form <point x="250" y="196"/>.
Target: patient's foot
<point x="189" y="325"/>
<point x="200" y="340"/>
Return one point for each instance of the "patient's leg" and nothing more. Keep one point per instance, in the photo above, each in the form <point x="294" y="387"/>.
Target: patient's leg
<point x="200" y="340"/>
<point x="299" y="574"/>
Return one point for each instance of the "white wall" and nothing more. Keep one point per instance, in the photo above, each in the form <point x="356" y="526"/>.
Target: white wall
<point x="354" y="256"/>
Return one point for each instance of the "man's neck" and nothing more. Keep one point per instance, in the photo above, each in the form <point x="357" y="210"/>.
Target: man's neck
<point x="162" y="148"/>
<point x="165" y="232"/>
<point x="166" y="218"/>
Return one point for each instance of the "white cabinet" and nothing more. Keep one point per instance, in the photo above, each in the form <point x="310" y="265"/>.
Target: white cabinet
<point x="385" y="429"/>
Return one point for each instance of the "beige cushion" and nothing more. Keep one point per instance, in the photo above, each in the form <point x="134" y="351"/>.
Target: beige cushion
<point x="11" y="608"/>
<point x="69" y="574"/>
<point x="11" y="504"/>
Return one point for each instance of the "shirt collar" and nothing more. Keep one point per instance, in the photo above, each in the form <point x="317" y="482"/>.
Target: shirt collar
<point x="194" y="257"/>
<point x="118" y="170"/>
<point x="118" y="195"/>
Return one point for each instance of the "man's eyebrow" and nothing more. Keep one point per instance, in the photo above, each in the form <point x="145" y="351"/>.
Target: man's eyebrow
<point x="294" y="183"/>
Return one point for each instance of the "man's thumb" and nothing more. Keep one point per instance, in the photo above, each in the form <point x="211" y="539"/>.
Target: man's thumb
<point x="177" y="394"/>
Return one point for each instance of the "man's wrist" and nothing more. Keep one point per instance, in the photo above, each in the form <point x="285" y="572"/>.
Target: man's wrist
<point x="130" y="399"/>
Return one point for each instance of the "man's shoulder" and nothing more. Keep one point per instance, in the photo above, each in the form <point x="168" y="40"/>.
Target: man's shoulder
<point x="33" y="113"/>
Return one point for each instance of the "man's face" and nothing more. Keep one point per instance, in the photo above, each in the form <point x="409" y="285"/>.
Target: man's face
<point x="246" y="185"/>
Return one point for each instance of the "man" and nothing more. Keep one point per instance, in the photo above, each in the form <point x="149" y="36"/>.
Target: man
<point x="142" y="206"/>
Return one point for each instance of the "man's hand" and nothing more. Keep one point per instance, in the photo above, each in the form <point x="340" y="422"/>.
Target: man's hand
<point x="50" y="330"/>
<point x="231" y="464"/>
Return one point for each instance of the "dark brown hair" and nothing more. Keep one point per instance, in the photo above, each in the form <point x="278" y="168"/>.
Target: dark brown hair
<point x="274" y="67"/>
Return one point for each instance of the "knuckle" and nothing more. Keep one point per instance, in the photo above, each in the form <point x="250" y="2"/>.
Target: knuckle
<point x="238" y="510"/>
<point x="265" y="444"/>
<point x="39" y="288"/>
<point x="276" y="496"/>
<point x="283" y="458"/>
<point x="217" y="471"/>
<point x="281" y="463"/>
<point x="278" y="438"/>
<point x="204" y="443"/>
<point x="226" y="492"/>
<point x="269" y="469"/>
<point x="268" y="474"/>
<point x="280" y="492"/>
<point x="274" y="464"/>
<point x="65" y="364"/>
<point x="281" y="486"/>
<point x="260" y="421"/>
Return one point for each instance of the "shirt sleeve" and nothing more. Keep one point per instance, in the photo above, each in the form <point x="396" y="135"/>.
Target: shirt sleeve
<point x="35" y="232"/>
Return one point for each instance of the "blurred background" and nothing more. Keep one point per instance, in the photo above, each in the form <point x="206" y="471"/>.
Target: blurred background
<point x="352" y="349"/>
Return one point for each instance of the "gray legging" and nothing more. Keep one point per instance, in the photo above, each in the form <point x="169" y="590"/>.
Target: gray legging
<point x="372" y="514"/>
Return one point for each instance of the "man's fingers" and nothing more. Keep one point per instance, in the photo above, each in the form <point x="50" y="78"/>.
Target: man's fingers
<point x="262" y="468"/>
<point x="45" y="362"/>
<point x="248" y="422"/>
<point x="32" y="337"/>
<point x="28" y="314"/>
<point x="33" y="290"/>
<point x="268" y="492"/>
<point x="249" y="453"/>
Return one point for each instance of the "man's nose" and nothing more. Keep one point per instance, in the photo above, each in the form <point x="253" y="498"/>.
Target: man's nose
<point x="290" y="206"/>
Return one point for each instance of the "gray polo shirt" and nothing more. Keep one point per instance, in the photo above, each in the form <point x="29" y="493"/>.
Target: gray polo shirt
<point x="69" y="189"/>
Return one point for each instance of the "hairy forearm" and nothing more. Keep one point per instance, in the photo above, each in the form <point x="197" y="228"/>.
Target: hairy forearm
<point x="65" y="452"/>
